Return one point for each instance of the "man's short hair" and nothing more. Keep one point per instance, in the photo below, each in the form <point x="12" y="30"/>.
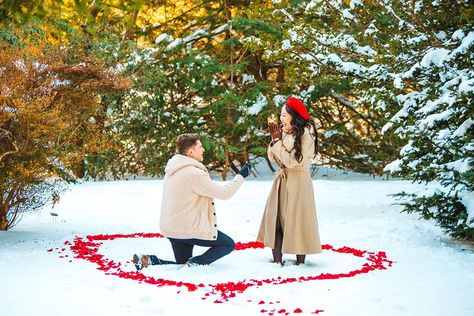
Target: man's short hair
<point x="186" y="141"/>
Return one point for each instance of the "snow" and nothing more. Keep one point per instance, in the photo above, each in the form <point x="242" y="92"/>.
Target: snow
<point x="20" y="65"/>
<point x="39" y="66"/>
<point x="355" y="3"/>
<point x="312" y="4"/>
<point x="175" y="43"/>
<point x="418" y="7"/>
<point x="347" y="67"/>
<point x="443" y="134"/>
<point x="467" y="85"/>
<point x="430" y="120"/>
<point x="458" y="35"/>
<point x="430" y="275"/>
<point x="398" y="82"/>
<point x="429" y="192"/>
<point x="331" y="133"/>
<point x="347" y="14"/>
<point x="441" y="35"/>
<point x="466" y="43"/>
<point x="248" y="78"/>
<point x="163" y="37"/>
<point x="370" y="29"/>
<point x="393" y="166"/>
<point x="285" y="13"/>
<point x="258" y="105"/>
<point x="460" y="165"/>
<point x="435" y="56"/>
<point x="9" y="109"/>
<point x="295" y="37"/>
<point x="467" y="199"/>
<point x="57" y="83"/>
<point x="220" y="29"/>
<point x="307" y="93"/>
<point x="286" y="44"/>
<point x="408" y="148"/>
<point x="409" y="73"/>
<point x="430" y="106"/>
<point x="198" y="33"/>
<point x="462" y="130"/>
<point x="279" y="100"/>
<point x="252" y="40"/>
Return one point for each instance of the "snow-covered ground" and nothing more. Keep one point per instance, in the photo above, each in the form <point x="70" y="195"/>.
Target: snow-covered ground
<point x="39" y="274"/>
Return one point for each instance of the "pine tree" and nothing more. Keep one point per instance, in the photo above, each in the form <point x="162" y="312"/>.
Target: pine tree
<point x="324" y="52"/>
<point x="437" y="116"/>
<point x="187" y="79"/>
<point x="407" y="62"/>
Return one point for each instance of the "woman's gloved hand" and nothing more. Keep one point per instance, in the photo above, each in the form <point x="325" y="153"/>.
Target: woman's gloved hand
<point x="275" y="131"/>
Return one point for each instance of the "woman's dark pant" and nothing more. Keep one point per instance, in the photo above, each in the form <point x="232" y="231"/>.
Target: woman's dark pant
<point x="183" y="250"/>
<point x="277" y="255"/>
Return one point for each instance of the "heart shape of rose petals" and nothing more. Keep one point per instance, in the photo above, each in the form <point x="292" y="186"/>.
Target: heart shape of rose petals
<point x="88" y="249"/>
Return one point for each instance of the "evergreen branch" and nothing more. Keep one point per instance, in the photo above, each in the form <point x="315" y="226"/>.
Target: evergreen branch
<point x="352" y="21"/>
<point x="348" y="104"/>
<point x="338" y="48"/>
<point x="7" y="153"/>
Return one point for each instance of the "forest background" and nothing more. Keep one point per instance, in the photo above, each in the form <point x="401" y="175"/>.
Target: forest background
<point x="100" y="89"/>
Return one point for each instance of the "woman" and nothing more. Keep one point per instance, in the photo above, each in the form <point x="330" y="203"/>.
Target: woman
<point x="289" y="223"/>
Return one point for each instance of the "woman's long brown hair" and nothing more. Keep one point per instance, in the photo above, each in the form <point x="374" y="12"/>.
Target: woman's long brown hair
<point x="298" y="124"/>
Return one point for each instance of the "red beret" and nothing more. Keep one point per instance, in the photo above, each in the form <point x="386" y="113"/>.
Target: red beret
<point x="296" y="105"/>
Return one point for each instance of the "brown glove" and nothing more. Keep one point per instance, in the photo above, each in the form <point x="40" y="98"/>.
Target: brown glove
<point x="275" y="131"/>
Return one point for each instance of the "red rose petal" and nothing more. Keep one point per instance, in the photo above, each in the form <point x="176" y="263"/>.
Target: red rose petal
<point x="88" y="249"/>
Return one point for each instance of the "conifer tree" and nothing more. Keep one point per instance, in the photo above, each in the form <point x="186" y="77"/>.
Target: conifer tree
<point x="437" y="115"/>
<point x="410" y="62"/>
<point x="191" y="78"/>
<point x="329" y="56"/>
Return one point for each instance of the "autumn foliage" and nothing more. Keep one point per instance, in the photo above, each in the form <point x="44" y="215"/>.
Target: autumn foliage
<point x="51" y="117"/>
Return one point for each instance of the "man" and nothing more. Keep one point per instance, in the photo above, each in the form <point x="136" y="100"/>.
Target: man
<point x="188" y="215"/>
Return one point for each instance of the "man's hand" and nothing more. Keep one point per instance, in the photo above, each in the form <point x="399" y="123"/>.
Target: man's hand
<point x="245" y="171"/>
<point x="275" y="131"/>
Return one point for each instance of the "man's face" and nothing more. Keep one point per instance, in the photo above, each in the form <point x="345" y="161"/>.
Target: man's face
<point x="196" y="151"/>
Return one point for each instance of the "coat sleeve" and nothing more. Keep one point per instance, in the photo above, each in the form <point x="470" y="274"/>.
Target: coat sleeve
<point x="203" y="185"/>
<point x="287" y="157"/>
<point x="269" y="153"/>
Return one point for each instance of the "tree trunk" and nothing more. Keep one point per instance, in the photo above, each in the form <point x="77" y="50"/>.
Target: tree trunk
<point x="3" y="218"/>
<point x="79" y="169"/>
<point x="128" y="35"/>
<point x="227" y="161"/>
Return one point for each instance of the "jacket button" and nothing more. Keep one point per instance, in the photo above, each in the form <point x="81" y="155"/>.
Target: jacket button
<point x="212" y="203"/>
<point x="214" y="237"/>
<point x="215" y="225"/>
<point x="214" y="214"/>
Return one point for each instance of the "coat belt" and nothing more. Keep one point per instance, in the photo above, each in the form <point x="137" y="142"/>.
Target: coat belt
<point x="283" y="172"/>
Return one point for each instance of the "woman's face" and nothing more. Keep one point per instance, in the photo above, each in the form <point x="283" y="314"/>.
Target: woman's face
<point x="285" y="119"/>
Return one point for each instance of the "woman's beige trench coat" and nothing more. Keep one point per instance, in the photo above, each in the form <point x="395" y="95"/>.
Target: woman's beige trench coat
<point x="292" y="198"/>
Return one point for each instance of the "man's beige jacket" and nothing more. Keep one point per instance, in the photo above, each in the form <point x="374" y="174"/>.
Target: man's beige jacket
<point x="187" y="208"/>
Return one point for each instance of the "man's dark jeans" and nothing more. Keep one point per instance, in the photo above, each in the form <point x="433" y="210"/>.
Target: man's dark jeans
<point x="183" y="250"/>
